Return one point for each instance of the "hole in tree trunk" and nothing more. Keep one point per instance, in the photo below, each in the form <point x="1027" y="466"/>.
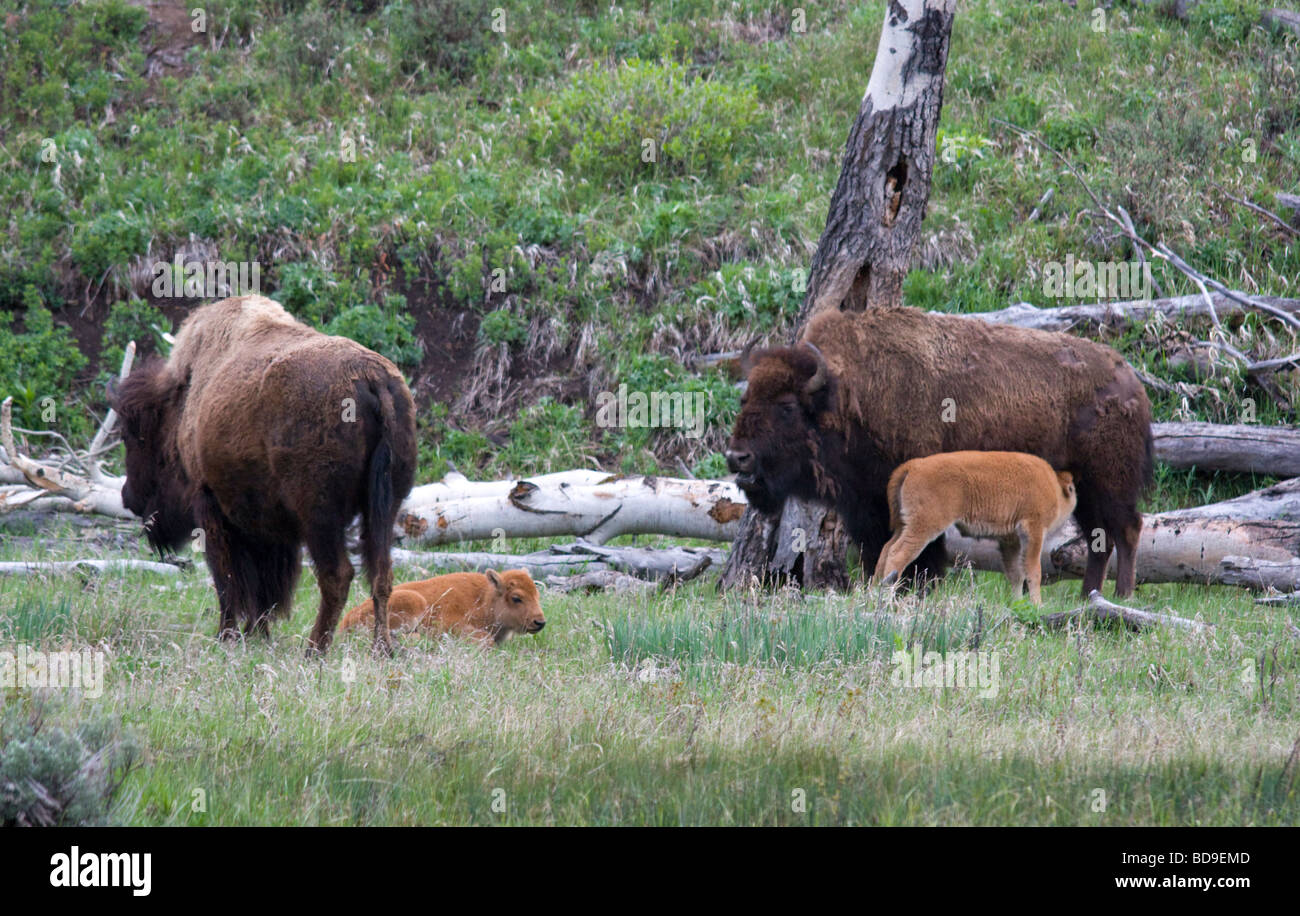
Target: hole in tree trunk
<point x="895" y="178"/>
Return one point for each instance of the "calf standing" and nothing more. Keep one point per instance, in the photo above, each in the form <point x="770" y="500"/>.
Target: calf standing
<point x="987" y="494"/>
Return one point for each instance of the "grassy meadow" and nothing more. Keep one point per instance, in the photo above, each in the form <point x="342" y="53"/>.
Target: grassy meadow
<point x="475" y="204"/>
<point x="681" y="709"/>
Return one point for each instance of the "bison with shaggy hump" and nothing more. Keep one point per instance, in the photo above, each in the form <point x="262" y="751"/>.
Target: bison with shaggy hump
<point x="1005" y="495"/>
<point x="267" y="434"/>
<point x="830" y="419"/>
<point x="486" y="607"/>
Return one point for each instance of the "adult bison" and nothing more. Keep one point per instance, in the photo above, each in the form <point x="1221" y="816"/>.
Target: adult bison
<point x="267" y="434"/>
<point x="862" y="392"/>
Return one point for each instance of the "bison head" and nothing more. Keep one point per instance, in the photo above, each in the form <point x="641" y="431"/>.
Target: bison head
<point x="772" y="449"/>
<point x="516" y="607"/>
<point x="148" y="404"/>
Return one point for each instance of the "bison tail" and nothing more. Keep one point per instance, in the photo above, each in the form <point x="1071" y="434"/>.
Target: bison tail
<point x="894" y="493"/>
<point x="380" y="506"/>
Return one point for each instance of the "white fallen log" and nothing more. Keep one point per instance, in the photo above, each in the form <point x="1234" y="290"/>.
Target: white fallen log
<point x="59" y="567"/>
<point x="28" y="481"/>
<point x="1107" y="611"/>
<point x="559" y="506"/>
<point x="1273" y="450"/>
<point x="1252" y="541"/>
<point x="602" y="580"/>
<point x="43" y="480"/>
<point x="1119" y="315"/>
<point x="675" y="563"/>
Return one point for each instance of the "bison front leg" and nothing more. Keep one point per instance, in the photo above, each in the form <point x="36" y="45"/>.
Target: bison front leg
<point x="333" y="577"/>
<point x="221" y="552"/>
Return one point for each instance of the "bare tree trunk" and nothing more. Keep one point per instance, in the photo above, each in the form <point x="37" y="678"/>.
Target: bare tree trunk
<point x="865" y="250"/>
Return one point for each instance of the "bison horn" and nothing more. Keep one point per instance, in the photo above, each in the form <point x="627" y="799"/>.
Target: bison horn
<point x="746" y="361"/>
<point x="818" y="380"/>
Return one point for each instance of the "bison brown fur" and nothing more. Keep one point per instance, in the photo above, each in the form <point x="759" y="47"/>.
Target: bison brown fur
<point x="267" y="434"/>
<point x="486" y="607"/>
<point x="830" y="418"/>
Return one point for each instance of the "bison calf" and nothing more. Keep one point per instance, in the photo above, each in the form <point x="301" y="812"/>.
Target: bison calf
<point x="486" y="607"/>
<point x="1005" y="495"/>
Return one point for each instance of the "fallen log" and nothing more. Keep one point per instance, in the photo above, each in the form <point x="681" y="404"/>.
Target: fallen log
<point x="557" y="505"/>
<point x="27" y="481"/>
<point x="669" y="563"/>
<point x="1108" y="612"/>
<point x="602" y="580"/>
<point x="58" y="567"/>
<point x="1252" y="541"/>
<point x="1272" y="450"/>
<point x="1120" y="315"/>
<point x="1293" y="600"/>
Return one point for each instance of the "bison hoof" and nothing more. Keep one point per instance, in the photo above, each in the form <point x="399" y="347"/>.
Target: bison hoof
<point x="890" y="579"/>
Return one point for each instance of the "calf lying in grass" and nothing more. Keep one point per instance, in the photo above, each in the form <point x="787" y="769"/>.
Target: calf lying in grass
<point x="486" y="607"/>
<point x="987" y="494"/>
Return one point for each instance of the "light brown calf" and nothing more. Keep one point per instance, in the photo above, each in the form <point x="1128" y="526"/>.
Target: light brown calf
<point x="486" y="607"/>
<point x="1005" y="495"/>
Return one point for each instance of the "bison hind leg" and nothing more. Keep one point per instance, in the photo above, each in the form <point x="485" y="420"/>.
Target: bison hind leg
<point x="334" y="572"/>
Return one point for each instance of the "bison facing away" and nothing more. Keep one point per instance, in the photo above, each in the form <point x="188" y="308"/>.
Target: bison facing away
<point x="266" y="434"/>
<point x="1005" y="495"/>
<point x="830" y="418"/>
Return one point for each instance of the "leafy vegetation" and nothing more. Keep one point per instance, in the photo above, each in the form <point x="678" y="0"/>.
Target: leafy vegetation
<point x="605" y="181"/>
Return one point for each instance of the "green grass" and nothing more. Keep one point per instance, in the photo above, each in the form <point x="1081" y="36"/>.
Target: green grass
<point x="685" y="709"/>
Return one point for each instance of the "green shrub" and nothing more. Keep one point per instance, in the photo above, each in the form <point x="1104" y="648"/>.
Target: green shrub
<point x="53" y="778"/>
<point x="389" y="330"/>
<point x="503" y="326"/>
<point x="547" y="436"/>
<point x="1229" y="21"/>
<point x="750" y="296"/>
<point x="608" y="121"/>
<point x="37" y="364"/>
<point x="129" y="320"/>
<point x="313" y="293"/>
<point x="439" y="36"/>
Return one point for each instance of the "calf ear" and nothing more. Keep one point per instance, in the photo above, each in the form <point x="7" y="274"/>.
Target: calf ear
<point x="495" y="579"/>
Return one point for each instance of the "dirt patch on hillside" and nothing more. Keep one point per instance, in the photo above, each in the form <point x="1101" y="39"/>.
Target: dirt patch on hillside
<point x="169" y="35"/>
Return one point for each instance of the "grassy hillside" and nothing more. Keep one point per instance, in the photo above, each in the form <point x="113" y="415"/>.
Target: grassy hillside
<point x="477" y="204"/>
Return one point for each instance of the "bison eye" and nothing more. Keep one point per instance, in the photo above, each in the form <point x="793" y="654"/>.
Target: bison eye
<point x="516" y="599"/>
